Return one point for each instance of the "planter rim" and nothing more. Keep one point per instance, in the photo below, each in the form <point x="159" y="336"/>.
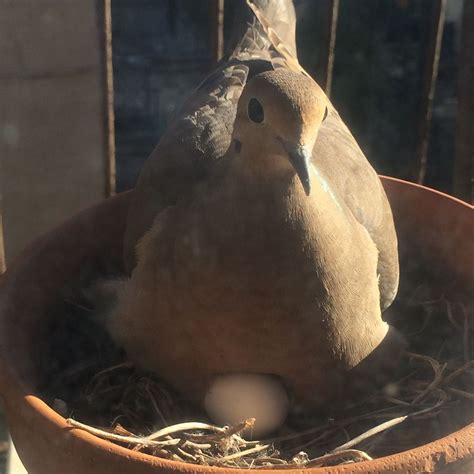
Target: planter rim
<point x="425" y="457"/>
<point x="456" y="445"/>
<point x="424" y="188"/>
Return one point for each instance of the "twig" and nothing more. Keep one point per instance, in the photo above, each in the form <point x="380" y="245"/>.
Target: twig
<point x="425" y="411"/>
<point x="355" y="454"/>
<point x="438" y="370"/>
<point x="273" y="461"/>
<point x="461" y="393"/>
<point x="120" y="438"/>
<point x="313" y="441"/>
<point x="466" y="330"/>
<point x="384" y="426"/>
<point x="300" y="434"/>
<point x="98" y="375"/>
<point x="226" y="433"/>
<point x="396" y="401"/>
<point x="373" y="431"/>
<point x="155" y="405"/>
<point x="426" y="320"/>
<point x="197" y="446"/>
<point x="459" y="371"/>
<point x="187" y="455"/>
<point x="449" y="312"/>
<point x="240" y="454"/>
<point x="193" y="425"/>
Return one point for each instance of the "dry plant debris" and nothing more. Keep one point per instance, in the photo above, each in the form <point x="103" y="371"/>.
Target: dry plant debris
<point x="4" y="446"/>
<point x="433" y="397"/>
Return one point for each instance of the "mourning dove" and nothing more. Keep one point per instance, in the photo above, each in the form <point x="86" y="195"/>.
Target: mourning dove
<point x="264" y="240"/>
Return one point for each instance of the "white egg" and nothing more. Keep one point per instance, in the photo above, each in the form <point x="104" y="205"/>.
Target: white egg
<point x="233" y="398"/>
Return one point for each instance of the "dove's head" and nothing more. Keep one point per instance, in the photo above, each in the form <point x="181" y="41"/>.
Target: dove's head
<point x="278" y="119"/>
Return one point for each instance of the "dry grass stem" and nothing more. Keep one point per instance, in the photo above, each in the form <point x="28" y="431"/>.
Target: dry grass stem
<point x="438" y="375"/>
<point x="184" y="427"/>
<point x="344" y="456"/>
<point x="240" y="454"/>
<point x="456" y="373"/>
<point x="466" y="336"/>
<point x="373" y="431"/>
<point x="120" y="438"/>
<point x="461" y="393"/>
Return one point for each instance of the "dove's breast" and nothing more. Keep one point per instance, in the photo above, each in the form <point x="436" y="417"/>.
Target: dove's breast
<point x="284" y="289"/>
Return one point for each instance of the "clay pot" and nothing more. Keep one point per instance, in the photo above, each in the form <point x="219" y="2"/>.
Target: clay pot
<point x="435" y="231"/>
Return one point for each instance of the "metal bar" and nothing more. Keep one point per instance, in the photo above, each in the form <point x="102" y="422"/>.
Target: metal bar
<point x="463" y="186"/>
<point x="429" y="87"/>
<point x="105" y="18"/>
<point x="217" y="30"/>
<point x="329" y="45"/>
<point x="3" y="263"/>
<point x="2" y="247"/>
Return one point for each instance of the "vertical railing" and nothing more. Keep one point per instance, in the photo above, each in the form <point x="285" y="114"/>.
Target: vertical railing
<point x="2" y="246"/>
<point x="429" y="87"/>
<point x="463" y="180"/>
<point x="3" y="264"/>
<point x="464" y="161"/>
<point x="105" y="17"/>
<point x="328" y="47"/>
<point x="217" y="30"/>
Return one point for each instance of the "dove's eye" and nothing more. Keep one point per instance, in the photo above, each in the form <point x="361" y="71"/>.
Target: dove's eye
<point x="325" y="114"/>
<point x="255" y="111"/>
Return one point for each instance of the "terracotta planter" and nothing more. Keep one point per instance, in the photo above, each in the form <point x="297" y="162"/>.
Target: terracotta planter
<point x="434" y="230"/>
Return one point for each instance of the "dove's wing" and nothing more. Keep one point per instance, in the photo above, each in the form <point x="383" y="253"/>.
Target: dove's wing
<point x="341" y="162"/>
<point x="338" y="157"/>
<point x="201" y="132"/>
<point x="198" y="137"/>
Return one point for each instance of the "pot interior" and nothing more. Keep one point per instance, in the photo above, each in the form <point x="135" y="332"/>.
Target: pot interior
<point x="436" y="259"/>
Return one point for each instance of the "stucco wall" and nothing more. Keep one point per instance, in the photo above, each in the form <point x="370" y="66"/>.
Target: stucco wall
<point x="51" y="114"/>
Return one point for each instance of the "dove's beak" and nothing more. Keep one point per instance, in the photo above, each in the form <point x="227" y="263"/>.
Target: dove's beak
<point x="300" y="158"/>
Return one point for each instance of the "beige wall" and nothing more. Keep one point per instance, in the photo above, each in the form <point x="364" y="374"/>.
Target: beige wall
<point x="52" y="148"/>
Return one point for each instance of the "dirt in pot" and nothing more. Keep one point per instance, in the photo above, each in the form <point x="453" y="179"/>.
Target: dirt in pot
<point x="89" y="381"/>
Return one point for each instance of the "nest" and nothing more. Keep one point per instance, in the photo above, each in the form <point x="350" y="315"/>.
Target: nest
<point x="432" y="396"/>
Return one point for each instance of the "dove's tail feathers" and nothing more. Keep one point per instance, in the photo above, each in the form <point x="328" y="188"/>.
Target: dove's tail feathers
<point x="283" y="50"/>
<point x="270" y="25"/>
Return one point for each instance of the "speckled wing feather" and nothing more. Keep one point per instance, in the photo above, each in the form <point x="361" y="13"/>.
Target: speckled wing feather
<point x="259" y="39"/>
<point x="198" y="136"/>
<point x="282" y="53"/>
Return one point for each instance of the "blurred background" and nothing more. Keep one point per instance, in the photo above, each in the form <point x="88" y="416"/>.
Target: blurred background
<point x="83" y="103"/>
<point x="382" y="51"/>
<point x="87" y="87"/>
